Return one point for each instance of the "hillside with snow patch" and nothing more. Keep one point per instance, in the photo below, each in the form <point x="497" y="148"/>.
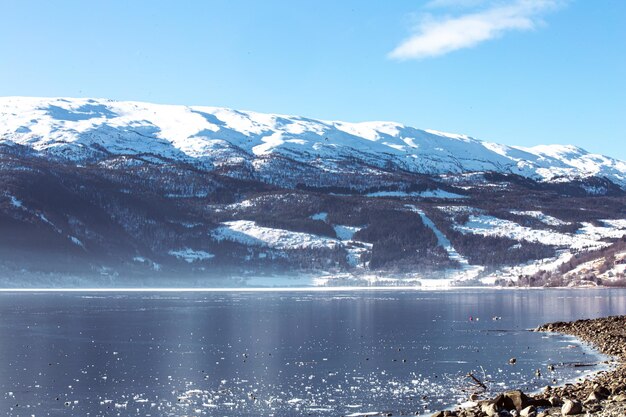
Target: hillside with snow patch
<point x="104" y="193"/>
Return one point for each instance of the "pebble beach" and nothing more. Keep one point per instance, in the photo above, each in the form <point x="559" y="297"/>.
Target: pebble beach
<point x="603" y="394"/>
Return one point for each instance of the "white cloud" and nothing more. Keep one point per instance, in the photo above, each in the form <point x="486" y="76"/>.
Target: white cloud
<point x="436" y="36"/>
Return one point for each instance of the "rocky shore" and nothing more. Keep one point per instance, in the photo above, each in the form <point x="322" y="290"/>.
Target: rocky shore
<point x="602" y="395"/>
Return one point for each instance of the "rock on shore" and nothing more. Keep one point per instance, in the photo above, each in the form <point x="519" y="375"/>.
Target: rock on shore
<point x="602" y="395"/>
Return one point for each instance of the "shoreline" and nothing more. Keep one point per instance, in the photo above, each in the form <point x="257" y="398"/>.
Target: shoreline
<point x="299" y="289"/>
<point x="601" y="394"/>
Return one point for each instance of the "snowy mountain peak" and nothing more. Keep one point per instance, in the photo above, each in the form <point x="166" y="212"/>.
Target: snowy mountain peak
<point x="83" y="129"/>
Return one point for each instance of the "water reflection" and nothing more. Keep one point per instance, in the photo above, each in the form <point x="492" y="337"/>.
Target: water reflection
<point x="167" y="354"/>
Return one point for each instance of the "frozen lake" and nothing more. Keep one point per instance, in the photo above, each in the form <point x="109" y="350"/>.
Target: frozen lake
<point x="281" y="353"/>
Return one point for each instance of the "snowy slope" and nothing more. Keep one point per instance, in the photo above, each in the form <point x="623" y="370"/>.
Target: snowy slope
<point x="249" y="233"/>
<point x="83" y="129"/>
<point x="442" y="240"/>
<point x="585" y="238"/>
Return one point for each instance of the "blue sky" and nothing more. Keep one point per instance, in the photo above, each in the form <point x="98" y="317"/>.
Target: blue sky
<point x="520" y="72"/>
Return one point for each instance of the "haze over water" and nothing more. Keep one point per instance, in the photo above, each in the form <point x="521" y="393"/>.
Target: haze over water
<point x="281" y="353"/>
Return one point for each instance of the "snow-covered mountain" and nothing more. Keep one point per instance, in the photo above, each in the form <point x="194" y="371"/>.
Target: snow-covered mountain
<point x="211" y="137"/>
<point x="113" y="192"/>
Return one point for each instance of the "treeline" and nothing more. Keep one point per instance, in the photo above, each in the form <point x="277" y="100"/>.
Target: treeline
<point x="490" y="251"/>
<point x="401" y="241"/>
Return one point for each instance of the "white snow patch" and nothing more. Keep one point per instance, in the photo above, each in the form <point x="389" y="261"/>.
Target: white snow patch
<point x="48" y="222"/>
<point x="155" y="266"/>
<point x="199" y="194"/>
<point x="269" y="142"/>
<point x="15" y="202"/>
<point x="586" y="237"/>
<point x="76" y="241"/>
<point x="241" y="204"/>
<point x="355" y="251"/>
<point x="594" y="190"/>
<point x="601" y="232"/>
<point x="345" y="232"/>
<point x="45" y="219"/>
<point x="544" y="218"/>
<point x="190" y="255"/>
<point x="439" y="194"/>
<point x="410" y="142"/>
<point x="249" y="233"/>
<point x="320" y="216"/>
<point x="616" y="223"/>
<point x="455" y="209"/>
<point x="448" y="135"/>
<point x="424" y="194"/>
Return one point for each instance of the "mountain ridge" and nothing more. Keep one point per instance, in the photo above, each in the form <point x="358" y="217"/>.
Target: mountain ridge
<point x="80" y="129"/>
<point x="106" y="193"/>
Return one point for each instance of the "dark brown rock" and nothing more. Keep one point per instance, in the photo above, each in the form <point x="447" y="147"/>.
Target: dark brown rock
<point x="541" y="402"/>
<point x="513" y="400"/>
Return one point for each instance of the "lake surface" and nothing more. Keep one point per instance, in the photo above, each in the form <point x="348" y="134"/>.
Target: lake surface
<point x="281" y="353"/>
